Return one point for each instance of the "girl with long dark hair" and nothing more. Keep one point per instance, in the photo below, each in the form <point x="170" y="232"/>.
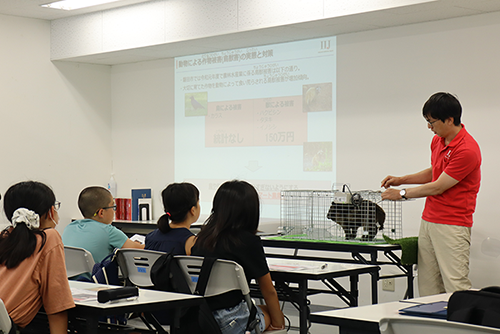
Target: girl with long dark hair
<point x="230" y="233"/>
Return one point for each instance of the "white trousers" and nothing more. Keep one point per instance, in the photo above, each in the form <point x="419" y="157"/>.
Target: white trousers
<point x="443" y="258"/>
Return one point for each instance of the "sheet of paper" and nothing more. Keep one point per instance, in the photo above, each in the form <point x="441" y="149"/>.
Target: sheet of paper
<point x="274" y="265"/>
<point x="139" y="238"/>
<point x="81" y="295"/>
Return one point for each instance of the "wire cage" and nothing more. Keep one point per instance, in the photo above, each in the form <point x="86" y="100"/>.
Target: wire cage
<point x="359" y="216"/>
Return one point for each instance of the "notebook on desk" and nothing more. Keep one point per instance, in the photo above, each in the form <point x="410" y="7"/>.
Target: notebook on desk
<point x="431" y="310"/>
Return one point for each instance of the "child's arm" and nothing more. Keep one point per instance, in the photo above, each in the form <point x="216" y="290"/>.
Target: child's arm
<point x="58" y="322"/>
<point x="189" y="244"/>
<point x="272" y="302"/>
<point x="132" y="244"/>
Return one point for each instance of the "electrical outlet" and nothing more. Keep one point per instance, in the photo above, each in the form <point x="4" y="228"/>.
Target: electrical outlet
<point x="389" y="284"/>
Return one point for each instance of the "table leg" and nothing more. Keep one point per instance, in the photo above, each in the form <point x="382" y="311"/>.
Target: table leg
<point x="304" y="308"/>
<point x="375" y="277"/>
<point x="92" y="324"/>
<point x="354" y="279"/>
<point x="410" y="279"/>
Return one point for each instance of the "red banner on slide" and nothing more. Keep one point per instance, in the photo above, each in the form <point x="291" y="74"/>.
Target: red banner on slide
<point x="275" y="121"/>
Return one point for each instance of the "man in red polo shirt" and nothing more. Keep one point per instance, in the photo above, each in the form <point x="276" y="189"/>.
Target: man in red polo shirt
<point x="450" y="186"/>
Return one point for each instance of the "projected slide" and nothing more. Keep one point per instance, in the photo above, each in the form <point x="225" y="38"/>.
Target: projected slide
<point x="262" y="114"/>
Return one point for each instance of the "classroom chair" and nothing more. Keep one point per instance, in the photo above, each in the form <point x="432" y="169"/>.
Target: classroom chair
<point x="78" y="261"/>
<point x="5" y="322"/>
<point x="225" y="276"/>
<point x="419" y="325"/>
<point x="135" y="265"/>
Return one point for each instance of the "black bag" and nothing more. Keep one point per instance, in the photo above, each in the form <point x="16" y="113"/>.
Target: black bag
<point x="106" y="271"/>
<point x="476" y="307"/>
<point x="167" y="275"/>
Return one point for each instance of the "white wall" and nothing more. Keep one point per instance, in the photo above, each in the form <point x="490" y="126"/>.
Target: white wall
<point x="143" y="128"/>
<point x="161" y="22"/>
<point x="55" y="118"/>
<point x="384" y="78"/>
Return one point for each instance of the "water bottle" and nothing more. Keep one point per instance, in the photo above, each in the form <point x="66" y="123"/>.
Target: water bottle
<point x="112" y="186"/>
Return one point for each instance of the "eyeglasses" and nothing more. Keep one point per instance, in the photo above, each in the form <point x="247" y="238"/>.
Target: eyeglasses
<point x="432" y="123"/>
<point x="57" y="205"/>
<point x="110" y="207"/>
<point x="107" y="207"/>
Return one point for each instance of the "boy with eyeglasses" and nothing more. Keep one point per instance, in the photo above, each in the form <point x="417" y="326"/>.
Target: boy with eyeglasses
<point x="450" y="186"/>
<point x="95" y="232"/>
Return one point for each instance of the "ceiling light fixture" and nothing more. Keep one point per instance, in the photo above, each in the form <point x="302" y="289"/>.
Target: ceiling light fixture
<point x="75" y="4"/>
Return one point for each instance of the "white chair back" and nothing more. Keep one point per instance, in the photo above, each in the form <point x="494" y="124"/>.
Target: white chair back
<point x="419" y="325"/>
<point x="78" y="261"/>
<point x="5" y="323"/>
<point x="225" y="276"/>
<point x="135" y="265"/>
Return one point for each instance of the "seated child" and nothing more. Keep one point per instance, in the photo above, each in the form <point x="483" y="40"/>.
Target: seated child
<point x="32" y="267"/>
<point x="230" y="233"/>
<point x="182" y="208"/>
<point x="95" y="233"/>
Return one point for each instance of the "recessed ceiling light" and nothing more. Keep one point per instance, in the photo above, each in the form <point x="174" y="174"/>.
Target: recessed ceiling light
<point x="75" y="4"/>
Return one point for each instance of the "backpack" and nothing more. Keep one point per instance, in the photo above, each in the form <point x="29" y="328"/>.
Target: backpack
<point x="476" y="307"/>
<point x="167" y="275"/>
<point x="106" y="271"/>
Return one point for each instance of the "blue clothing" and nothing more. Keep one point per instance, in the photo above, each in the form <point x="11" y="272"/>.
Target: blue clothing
<point x="173" y="241"/>
<point x="234" y="319"/>
<point x="98" y="238"/>
<point x="248" y="253"/>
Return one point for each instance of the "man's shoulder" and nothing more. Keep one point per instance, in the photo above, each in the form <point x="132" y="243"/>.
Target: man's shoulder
<point x="469" y="147"/>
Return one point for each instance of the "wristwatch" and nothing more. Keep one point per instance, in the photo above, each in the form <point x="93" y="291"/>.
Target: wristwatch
<point x="403" y="194"/>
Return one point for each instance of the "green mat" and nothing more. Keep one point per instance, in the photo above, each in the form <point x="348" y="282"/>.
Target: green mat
<point x="409" y="245"/>
<point x="409" y="248"/>
<point x="303" y="237"/>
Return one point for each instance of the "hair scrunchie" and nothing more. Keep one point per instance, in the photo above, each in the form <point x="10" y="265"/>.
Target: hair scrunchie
<point x="28" y="217"/>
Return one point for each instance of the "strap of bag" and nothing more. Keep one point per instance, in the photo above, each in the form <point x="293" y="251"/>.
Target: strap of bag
<point x="206" y="269"/>
<point x="13" y="328"/>
<point x="201" y="286"/>
<point x="252" y="320"/>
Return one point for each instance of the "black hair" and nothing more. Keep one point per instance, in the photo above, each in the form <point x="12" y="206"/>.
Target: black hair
<point x="443" y="106"/>
<point x="235" y="208"/>
<point x="18" y="244"/>
<point x="92" y="199"/>
<point x="178" y="199"/>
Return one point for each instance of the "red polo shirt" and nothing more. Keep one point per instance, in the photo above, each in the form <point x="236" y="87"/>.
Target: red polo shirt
<point x="461" y="160"/>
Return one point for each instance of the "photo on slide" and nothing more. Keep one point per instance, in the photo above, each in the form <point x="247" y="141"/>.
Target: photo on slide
<point x="318" y="157"/>
<point x="195" y="104"/>
<point x="317" y="97"/>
